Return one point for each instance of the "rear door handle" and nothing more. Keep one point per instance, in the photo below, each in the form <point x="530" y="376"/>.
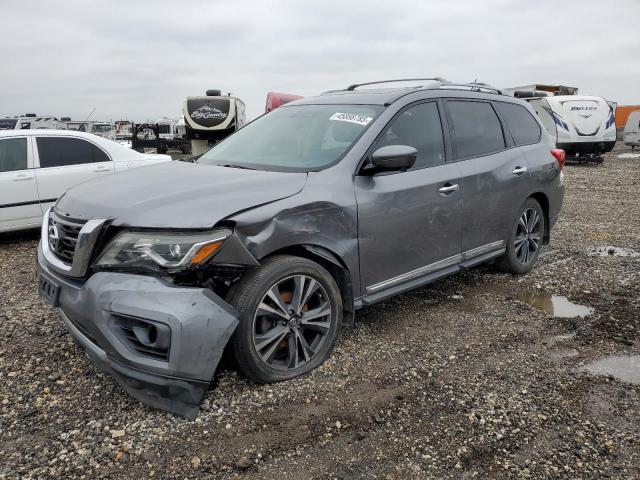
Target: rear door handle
<point x="102" y="169"/>
<point x="448" y="189"/>
<point x="519" y="170"/>
<point x="22" y="178"/>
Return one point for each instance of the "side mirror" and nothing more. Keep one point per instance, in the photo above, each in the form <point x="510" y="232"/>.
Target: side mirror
<point x="393" y="158"/>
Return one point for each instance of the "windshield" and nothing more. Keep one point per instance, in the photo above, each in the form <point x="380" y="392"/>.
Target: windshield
<point x="295" y="138"/>
<point x="102" y="127"/>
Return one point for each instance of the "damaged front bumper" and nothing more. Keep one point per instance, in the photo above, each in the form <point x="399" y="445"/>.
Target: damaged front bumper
<point x="162" y="343"/>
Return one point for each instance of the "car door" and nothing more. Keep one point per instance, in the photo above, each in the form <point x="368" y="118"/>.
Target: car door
<point x="65" y="162"/>
<point x="409" y="222"/>
<point x="495" y="176"/>
<point x="19" y="204"/>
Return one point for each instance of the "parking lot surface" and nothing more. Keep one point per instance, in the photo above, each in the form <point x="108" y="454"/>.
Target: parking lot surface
<point x="480" y="375"/>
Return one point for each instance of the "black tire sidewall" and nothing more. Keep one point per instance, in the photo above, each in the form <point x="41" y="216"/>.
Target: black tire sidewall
<point x="247" y="294"/>
<point x="512" y="263"/>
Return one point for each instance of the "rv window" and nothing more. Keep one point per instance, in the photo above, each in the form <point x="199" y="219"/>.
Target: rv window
<point x="13" y="154"/>
<point x="476" y="128"/>
<point x="523" y="127"/>
<point x="63" y="151"/>
<point x="7" y="123"/>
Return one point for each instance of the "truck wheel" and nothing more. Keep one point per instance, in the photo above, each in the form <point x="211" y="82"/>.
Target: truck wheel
<point x="525" y="239"/>
<point x="290" y="314"/>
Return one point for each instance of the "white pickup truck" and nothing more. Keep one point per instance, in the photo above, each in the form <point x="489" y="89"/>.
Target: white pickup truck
<point x="37" y="166"/>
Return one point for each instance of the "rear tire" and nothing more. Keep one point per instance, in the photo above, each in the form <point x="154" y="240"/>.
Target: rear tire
<point x="525" y="239"/>
<point x="290" y="314"/>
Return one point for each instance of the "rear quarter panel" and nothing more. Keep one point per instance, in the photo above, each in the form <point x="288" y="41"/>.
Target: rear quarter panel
<point x="546" y="176"/>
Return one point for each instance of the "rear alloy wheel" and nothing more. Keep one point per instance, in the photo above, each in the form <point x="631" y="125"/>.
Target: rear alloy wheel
<point x="525" y="239"/>
<point x="290" y="316"/>
<point x="528" y="240"/>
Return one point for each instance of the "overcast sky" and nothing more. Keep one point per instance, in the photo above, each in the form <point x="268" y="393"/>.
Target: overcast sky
<point x="140" y="59"/>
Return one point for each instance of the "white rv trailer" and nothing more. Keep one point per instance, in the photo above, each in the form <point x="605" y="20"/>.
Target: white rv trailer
<point x="211" y="118"/>
<point x="583" y="126"/>
<point x="29" y="121"/>
<point x="631" y="134"/>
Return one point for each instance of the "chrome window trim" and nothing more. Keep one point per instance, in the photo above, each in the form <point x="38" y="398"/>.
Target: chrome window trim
<point x="84" y="247"/>
<point x="439" y="265"/>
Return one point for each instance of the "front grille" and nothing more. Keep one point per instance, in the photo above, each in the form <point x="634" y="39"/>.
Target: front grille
<point x="67" y="230"/>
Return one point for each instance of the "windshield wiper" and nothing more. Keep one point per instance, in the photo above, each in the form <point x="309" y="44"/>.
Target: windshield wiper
<point x="233" y="165"/>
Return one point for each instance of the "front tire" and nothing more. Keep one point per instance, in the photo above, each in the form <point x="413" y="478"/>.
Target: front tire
<point x="525" y="239"/>
<point x="290" y="314"/>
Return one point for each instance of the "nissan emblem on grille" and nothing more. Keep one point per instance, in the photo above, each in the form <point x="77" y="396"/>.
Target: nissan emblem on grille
<point x="54" y="236"/>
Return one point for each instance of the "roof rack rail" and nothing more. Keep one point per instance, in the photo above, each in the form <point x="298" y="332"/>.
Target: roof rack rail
<point x="474" y="87"/>
<point x="356" y="85"/>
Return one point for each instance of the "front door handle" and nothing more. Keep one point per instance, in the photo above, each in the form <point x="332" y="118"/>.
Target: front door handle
<point x="448" y="189"/>
<point x="519" y="170"/>
<point x="22" y="178"/>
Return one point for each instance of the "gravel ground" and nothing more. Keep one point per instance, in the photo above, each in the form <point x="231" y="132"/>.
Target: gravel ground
<point x="456" y="380"/>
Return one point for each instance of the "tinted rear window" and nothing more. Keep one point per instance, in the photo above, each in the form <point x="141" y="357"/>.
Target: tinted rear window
<point x="476" y="128"/>
<point x="523" y="127"/>
<point x="13" y="154"/>
<point x="63" y="151"/>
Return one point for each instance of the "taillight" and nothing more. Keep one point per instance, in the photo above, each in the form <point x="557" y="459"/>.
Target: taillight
<point x="560" y="156"/>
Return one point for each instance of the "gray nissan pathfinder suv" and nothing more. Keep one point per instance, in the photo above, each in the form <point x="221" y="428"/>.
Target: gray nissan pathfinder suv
<point x="277" y="235"/>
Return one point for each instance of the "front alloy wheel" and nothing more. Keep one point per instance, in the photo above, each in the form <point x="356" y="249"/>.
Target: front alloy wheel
<point x="290" y="313"/>
<point x="292" y="322"/>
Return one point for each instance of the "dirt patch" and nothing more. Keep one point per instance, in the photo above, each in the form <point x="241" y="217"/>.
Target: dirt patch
<point x="454" y="380"/>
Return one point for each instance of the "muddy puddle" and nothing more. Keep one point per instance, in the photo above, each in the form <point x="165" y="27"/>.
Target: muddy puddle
<point x="625" y="368"/>
<point x="611" y="251"/>
<point x="555" y="305"/>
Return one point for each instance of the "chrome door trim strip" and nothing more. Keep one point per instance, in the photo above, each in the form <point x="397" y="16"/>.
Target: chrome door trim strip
<point x="418" y="272"/>
<point x="476" y="252"/>
<point x="439" y="265"/>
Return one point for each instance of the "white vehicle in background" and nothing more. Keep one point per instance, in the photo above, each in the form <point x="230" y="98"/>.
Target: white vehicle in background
<point x="124" y="130"/>
<point x="169" y="128"/>
<point x="101" y="129"/>
<point x="29" y="121"/>
<point x="38" y="166"/>
<point x="631" y="134"/>
<point x="104" y="130"/>
<point x="583" y="126"/>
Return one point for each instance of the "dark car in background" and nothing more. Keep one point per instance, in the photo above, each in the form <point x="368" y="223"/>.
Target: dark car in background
<point x="280" y="233"/>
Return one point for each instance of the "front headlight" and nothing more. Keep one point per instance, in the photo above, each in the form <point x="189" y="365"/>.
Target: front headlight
<point x="162" y="251"/>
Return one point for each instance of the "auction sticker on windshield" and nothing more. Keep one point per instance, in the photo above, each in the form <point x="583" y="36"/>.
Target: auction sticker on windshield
<point x="351" y="117"/>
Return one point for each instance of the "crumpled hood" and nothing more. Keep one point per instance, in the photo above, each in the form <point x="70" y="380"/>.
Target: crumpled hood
<point x="177" y="195"/>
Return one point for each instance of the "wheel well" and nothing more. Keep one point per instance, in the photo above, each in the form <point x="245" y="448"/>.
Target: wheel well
<point x="544" y="203"/>
<point x="334" y="265"/>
